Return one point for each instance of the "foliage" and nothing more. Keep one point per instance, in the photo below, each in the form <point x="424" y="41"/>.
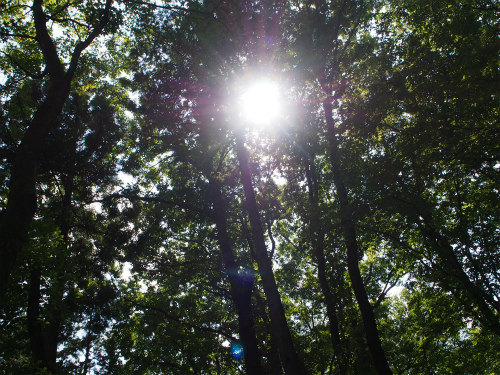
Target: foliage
<point x="143" y="248"/>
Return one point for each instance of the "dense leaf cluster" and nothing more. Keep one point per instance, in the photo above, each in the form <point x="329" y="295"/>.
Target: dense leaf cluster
<point x="148" y="227"/>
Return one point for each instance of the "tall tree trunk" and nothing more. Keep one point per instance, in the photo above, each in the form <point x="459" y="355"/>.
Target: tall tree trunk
<point x="21" y="204"/>
<point x="454" y="279"/>
<point x="22" y="199"/>
<point x="43" y="334"/>
<point x="241" y="287"/>
<point x="88" y="346"/>
<point x="485" y="303"/>
<point x="351" y="243"/>
<point x="318" y="240"/>
<point x="289" y="358"/>
<point x="272" y="355"/>
<point x="34" y="325"/>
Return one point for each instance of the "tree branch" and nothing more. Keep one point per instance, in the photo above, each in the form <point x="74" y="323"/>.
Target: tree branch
<point x="63" y="7"/>
<point x="177" y="319"/>
<point x="160" y="200"/>
<point x="25" y="36"/>
<point x="54" y="66"/>
<point x="386" y="289"/>
<point x="493" y="8"/>
<point x="80" y="47"/>
<point x="169" y="7"/>
<point x="27" y="72"/>
<point x="67" y="20"/>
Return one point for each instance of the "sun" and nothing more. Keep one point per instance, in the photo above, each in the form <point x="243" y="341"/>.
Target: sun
<point x="260" y="103"/>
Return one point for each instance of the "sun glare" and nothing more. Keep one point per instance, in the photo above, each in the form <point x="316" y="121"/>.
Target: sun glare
<point x="260" y="104"/>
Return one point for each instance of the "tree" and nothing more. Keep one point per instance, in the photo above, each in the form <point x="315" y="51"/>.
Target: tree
<point x="173" y="234"/>
<point x="332" y="47"/>
<point x="54" y="80"/>
<point x="68" y="254"/>
<point x="420" y="345"/>
<point x="438" y="102"/>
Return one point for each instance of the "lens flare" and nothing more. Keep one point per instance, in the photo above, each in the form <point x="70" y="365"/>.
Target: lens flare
<point x="237" y="350"/>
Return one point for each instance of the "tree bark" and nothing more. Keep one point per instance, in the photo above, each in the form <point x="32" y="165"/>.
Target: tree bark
<point x="43" y="334"/>
<point x="289" y="358"/>
<point x="22" y="198"/>
<point x="483" y="301"/>
<point x="272" y="355"/>
<point x="34" y="326"/>
<point x="318" y="238"/>
<point x="241" y="287"/>
<point x="21" y="204"/>
<point x="454" y="278"/>
<point x="369" y="321"/>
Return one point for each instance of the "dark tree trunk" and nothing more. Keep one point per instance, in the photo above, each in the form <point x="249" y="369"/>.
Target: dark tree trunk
<point x="21" y="204"/>
<point x="482" y="304"/>
<point x="318" y="238"/>
<point x="351" y="243"/>
<point x="272" y="355"/>
<point x="22" y="199"/>
<point x="289" y="358"/>
<point x="35" y="326"/>
<point x="486" y="304"/>
<point x="241" y="287"/>
<point x="43" y="334"/>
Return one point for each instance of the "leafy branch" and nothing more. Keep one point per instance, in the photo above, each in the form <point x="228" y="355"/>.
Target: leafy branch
<point x="179" y="319"/>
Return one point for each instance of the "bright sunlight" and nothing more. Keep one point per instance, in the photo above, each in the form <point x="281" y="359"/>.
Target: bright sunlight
<point x="261" y="103"/>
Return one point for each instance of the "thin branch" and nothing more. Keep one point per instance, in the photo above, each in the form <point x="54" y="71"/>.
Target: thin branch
<point x="178" y="319"/>
<point x="159" y="200"/>
<point x="27" y="72"/>
<point x="80" y="47"/>
<point x="388" y="286"/>
<point x="181" y="9"/>
<point x="166" y="364"/>
<point x="25" y="36"/>
<point x="63" y="8"/>
<point x="169" y="7"/>
<point x="270" y="234"/>
<point x="68" y="20"/>
<point x="493" y="8"/>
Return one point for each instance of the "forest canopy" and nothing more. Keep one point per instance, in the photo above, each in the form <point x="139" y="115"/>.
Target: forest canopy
<point x="250" y="187"/>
